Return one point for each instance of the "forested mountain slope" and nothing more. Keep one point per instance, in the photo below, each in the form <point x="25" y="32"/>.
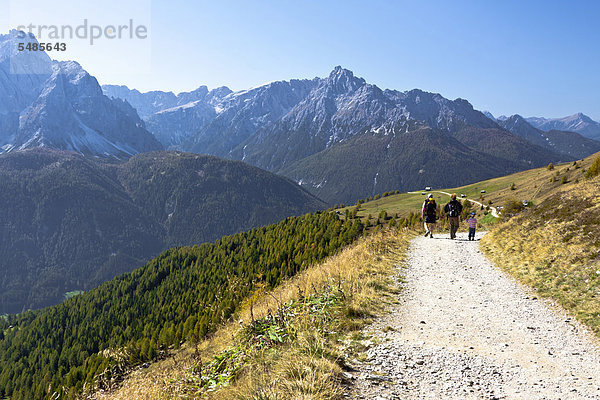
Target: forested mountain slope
<point x="182" y="294"/>
<point x="69" y="223"/>
<point x="371" y="163"/>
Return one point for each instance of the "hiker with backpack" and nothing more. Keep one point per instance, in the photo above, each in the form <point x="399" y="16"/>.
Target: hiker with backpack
<point x="453" y="210"/>
<point x="430" y="214"/>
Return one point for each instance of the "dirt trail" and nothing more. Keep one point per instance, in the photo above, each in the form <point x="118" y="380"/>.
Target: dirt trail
<point x="465" y="330"/>
<point x="494" y="210"/>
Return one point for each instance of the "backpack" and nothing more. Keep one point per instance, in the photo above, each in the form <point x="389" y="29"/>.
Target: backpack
<point x="430" y="208"/>
<point x="453" y="209"/>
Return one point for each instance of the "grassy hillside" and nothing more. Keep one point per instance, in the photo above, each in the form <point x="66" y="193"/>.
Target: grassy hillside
<point x="533" y="185"/>
<point x="290" y="343"/>
<point x="552" y="246"/>
<point x="180" y="295"/>
<point x="69" y="223"/>
<point x="555" y="248"/>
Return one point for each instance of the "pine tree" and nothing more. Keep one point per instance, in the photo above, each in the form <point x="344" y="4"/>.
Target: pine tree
<point x="594" y="169"/>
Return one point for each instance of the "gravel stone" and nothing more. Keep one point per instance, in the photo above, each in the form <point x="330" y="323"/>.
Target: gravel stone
<point x="465" y="330"/>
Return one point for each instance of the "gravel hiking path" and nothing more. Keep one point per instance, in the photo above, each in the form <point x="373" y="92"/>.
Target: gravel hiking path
<point x="465" y="330"/>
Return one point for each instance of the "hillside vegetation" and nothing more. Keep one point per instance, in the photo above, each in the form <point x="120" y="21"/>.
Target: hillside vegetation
<point x="69" y="223"/>
<point x="533" y="186"/>
<point x="306" y="362"/>
<point x="180" y="295"/>
<point x="290" y="343"/>
<point x="295" y="342"/>
<point x="555" y="248"/>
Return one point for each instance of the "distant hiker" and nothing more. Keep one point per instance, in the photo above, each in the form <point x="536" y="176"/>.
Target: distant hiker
<point x="453" y="210"/>
<point x="430" y="214"/>
<point x="472" y="221"/>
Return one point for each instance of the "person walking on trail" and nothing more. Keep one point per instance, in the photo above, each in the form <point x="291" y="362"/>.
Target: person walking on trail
<point x="430" y="214"/>
<point x="472" y="221"/>
<point x="453" y="210"/>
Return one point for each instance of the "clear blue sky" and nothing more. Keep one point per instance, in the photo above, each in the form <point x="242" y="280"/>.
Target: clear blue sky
<point x="529" y="57"/>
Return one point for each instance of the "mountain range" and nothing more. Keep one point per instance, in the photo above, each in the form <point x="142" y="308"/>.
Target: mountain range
<point x="579" y="123"/>
<point x="314" y="131"/>
<point x="46" y="103"/>
<point x="87" y="194"/>
<point x="565" y="142"/>
<point x="342" y="138"/>
<point x="69" y="222"/>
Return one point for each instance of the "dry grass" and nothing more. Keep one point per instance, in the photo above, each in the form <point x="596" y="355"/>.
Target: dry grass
<point x="555" y="248"/>
<point x="308" y="365"/>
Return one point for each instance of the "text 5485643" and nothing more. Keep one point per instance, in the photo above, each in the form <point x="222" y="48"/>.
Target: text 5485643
<point x="32" y="46"/>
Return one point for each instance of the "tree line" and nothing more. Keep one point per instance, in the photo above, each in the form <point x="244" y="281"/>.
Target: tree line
<point x="183" y="294"/>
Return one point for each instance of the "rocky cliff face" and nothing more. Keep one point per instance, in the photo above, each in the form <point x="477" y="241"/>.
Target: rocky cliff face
<point x="44" y="103"/>
<point x="343" y="105"/>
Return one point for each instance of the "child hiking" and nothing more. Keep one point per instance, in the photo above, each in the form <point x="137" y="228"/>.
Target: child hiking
<point x="430" y="214"/>
<point x="472" y="221"/>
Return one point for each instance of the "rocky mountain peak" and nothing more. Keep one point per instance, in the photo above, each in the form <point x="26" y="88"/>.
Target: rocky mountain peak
<point x="219" y="93"/>
<point x="516" y="118"/>
<point x="582" y="117"/>
<point x="343" y="80"/>
<point x="579" y="123"/>
<point x="18" y="62"/>
<point x="58" y="104"/>
<point x="197" y="94"/>
<point x="519" y="126"/>
<point x="489" y="115"/>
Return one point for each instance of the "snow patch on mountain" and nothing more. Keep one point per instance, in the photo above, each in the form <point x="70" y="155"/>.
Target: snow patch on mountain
<point x="59" y="105"/>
